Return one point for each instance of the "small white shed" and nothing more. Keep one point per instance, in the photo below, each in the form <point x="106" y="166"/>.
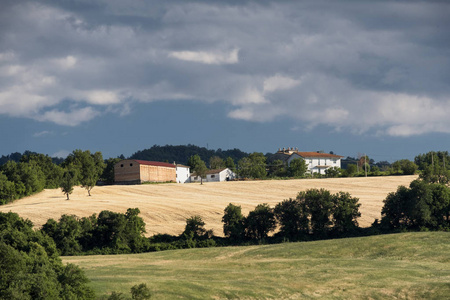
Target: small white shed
<point x="215" y="175"/>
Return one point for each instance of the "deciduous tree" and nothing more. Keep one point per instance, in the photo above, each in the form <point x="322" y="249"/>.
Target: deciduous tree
<point x="293" y="218"/>
<point x="90" y="167"/>
<point x="297" y="167"/>
<point x="260" y="222"/>
<point x="253" y="166"/>
<point x="233" y="222"/>
<point x="216" y="162"/>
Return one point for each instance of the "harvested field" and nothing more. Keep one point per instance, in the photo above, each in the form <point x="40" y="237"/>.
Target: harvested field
<point x="165" y="207"/>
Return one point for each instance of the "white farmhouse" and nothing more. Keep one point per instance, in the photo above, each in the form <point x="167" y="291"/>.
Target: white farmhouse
<point x="215" y="175"/>
<point x="317" y="162"/>
<point x="182" y="173"/>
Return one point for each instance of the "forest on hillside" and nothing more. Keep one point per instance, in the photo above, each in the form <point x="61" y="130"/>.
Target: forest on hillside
<point x="181" y="153"/>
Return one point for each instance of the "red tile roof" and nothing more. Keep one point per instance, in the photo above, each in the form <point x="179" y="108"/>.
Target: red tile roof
<point x="154" y="163"/>
<point x="316" y="154"/>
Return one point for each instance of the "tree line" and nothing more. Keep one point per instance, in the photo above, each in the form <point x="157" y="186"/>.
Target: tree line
<point x="34" y="172"/>
<point x="313" y="214"/>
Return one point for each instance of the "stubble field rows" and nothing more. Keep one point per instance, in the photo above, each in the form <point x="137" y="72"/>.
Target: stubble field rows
<point x="165" y="207"/>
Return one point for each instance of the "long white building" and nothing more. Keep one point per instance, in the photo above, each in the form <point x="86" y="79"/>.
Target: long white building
<point x="317" y="162"/>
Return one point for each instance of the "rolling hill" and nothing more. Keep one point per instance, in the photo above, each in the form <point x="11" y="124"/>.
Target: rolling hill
<point x="395" y="266"/>
<point x="165" y="207"/>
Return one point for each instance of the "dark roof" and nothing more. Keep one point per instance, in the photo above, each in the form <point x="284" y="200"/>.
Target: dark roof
<point x="215" y="171"/>
<point x="154" y="163"/>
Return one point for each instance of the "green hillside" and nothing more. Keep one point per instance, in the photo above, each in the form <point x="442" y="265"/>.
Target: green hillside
<point x="406" y="266"/>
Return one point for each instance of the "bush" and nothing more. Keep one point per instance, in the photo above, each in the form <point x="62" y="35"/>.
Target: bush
<point x="140" y="292"/>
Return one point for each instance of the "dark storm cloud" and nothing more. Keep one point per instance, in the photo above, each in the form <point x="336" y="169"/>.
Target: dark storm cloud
<point x="351" y="65"/>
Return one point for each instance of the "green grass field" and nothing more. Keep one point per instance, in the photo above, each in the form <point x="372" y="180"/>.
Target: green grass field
<point x="399" y="266"/>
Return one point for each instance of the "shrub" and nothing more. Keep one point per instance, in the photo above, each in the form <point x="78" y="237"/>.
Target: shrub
<point x="140" y="292"/>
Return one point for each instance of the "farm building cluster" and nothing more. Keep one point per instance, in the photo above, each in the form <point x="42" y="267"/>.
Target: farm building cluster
<point x="317" y="162"/>
<point x="132" y="171"/>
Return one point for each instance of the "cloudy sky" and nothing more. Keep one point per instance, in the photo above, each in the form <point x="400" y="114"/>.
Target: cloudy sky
<point x="120" y="76"/>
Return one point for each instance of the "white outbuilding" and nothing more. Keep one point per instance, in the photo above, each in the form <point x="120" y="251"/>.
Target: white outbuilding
<point x="182" y="173"/>
<point x="215" y="175"/>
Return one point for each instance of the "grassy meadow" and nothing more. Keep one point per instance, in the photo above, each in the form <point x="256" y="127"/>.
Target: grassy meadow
<point x="400" y="266"/>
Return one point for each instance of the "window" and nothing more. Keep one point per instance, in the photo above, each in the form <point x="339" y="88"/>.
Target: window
<point x="131" y="165"/>
<point x="213" y="176"/>
<point x="121" y="165"/>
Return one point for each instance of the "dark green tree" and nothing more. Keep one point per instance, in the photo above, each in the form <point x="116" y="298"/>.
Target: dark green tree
<point x="333" y="172"/>
<point x="350" y="171"/>
<point x="422" y="205"/>
<point x="65" y="233"/>
<point x="318" y="204"/>
<point x="52" y="172"/>
<point x="233" y="222"/>
<point x="68" y="180"/>
<point x="404" y="166"/>
<point x="229" y="163"/>
<point x="195" y="228"/>
<point x="7" y="189"/>
<point x="277" y="168"/>
<point x="108" y="173"/>
<point x="216" y="162"/>
<point x="198" y="167"/>
<point x="27" y="177"/>
<point x="90" y="167"/>
<point x="293" y="219"/>
<point x="260" y="222"/>
<point x="30" y="267"/>
<point x="253" y="166"/>
<point x="73" y="283"/>
<point x="431" y="158"/>
<point x="345" y="212"/>
<point x="297" y="167"/>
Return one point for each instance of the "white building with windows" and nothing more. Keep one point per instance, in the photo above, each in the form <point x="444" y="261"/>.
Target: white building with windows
<point x="182" y="173"/>
<point x="317" y="162"/>
<point x="215" y="175"/>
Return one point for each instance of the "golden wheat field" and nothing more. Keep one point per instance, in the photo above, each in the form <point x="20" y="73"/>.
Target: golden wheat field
<point x="165" y="207"/>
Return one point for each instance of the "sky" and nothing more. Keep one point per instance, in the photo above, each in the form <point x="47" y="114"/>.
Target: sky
<point x="116" y="76"/>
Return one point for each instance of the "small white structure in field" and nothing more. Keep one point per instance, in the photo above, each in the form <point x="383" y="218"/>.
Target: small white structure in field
<point x="183" y="173"/>
<point x="215" y="175"/>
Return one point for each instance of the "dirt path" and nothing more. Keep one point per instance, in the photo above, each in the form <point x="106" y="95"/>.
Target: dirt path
<point x="165" y="207"/>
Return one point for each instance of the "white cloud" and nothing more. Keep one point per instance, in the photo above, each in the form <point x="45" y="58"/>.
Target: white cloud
<point x="279" y="82"/>
<point x="42" y="133"/>
<point x="210" y="58"/>
<point x="6" y="56"/>
<point x="67" y="62"/>
<point x="312" y="62"/>
<point x="72" y="118"/>
<point x="102" y="97"/>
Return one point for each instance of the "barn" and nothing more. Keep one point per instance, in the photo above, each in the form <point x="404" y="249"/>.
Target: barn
<point x="132" y="171"/>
